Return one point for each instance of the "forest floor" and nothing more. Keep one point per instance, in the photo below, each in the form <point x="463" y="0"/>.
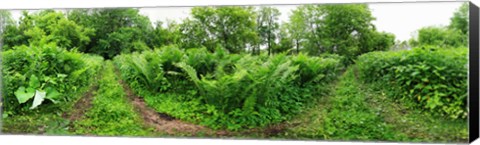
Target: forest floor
<point x="352" y="111"/>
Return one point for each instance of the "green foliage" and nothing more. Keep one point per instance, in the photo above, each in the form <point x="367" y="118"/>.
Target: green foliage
<point x="434" y="79"/>
<point x="227" y="90"/>
<point x="47" y="26"/>
<point x="5" y="20"/>
<point x="440" y="36"/>
<point x="459" y="21"/>
<point x="285" y="43"/>
<point x="43" y="72"/>
<point x="116" y="30"/>
<point x="267" y="28"/>
<point x="453" y="35"/>
<point x="345" y="29"/>
<point x="163" y="36"/>
<point x="231" y="27"/>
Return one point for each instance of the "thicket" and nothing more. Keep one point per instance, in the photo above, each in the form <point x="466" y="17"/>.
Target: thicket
<point x="44" y="74"/>
<point x="223" y="90"/>
<point x="431" y="78"/>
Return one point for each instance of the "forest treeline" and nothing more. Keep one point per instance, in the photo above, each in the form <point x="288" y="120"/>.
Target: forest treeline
<point x="345" y="29"/>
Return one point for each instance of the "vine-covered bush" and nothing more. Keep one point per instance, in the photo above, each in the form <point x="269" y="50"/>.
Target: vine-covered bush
<point x="435" y="79"/>
<point x="222" y="90"/>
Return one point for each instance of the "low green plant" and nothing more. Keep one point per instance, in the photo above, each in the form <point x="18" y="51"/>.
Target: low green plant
<point x="44" y="72"/>
<point x="431" y="78"/>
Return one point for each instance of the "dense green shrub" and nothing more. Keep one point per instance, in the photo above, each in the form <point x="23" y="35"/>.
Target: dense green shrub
<point x="435" y="79"/>
<point x="225" y="90"/>
<point x="34" y="73"/>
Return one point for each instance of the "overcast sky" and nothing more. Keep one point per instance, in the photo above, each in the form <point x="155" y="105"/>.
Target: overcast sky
<point x="401" y="19"/>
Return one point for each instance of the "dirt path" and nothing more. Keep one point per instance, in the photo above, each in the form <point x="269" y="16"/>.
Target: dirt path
<point x="82" y="105"/>
<point x="162" y="122"/>
<point x="172" y="126"/>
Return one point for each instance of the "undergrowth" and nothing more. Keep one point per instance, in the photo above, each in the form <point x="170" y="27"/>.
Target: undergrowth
<point x="229" y="91"/>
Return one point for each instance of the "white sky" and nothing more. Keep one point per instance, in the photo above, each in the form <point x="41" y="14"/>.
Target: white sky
<point x="401" y="19"/>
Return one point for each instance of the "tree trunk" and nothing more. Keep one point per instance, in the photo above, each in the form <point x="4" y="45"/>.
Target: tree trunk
<point x="297" y="45"/>
<point x="269" y="47"/>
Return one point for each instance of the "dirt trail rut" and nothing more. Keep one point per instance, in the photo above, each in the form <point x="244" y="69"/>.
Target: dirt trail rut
<point x="170" y="125"/>
<point x="163" y="122"/>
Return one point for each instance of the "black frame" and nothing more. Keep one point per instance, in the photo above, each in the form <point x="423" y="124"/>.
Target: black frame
<point x="473" y="90"/>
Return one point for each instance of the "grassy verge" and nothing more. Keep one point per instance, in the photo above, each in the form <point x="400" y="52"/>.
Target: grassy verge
<point x="359" y="112"/>
<point x="346" y="115"/>
<point x="111" y="113"/>
<point x="418" y="125"/>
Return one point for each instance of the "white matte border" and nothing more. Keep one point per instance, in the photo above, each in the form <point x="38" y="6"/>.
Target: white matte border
<point x="80" y="140"/>
<point x="35" y="4"/>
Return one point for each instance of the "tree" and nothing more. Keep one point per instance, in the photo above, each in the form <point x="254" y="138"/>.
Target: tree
<point x="376" y="41"/>
<point x="194" y="36"/>
<point x="345" y="29"/>
<point x="5" y="20"/>
<point x="400" y="45"/>
<point x="116" y="30"/>
<point x="285" y="41"/>
<point x="453" y="35"/>
<point x="168" y="35"/>
<point x="268" y="27"/>
<point x="459" y="21"/>
<point x="439" y="36"/>
<point x="297" y="27"/>
<point x="47" y="26"/>
<point x="233" y="28"/>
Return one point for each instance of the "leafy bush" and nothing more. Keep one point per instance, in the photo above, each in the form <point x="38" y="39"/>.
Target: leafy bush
<point x="435" y="79"/>
<point x="226" y="90"/>
<point x="44" y="72"/>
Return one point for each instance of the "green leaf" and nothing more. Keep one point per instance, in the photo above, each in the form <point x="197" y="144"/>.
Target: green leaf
<point x="425" y="79"/>
<point x="34" y="82"/>
<point x="415" y="73"/>
<point x="39" y="97"/>
<point x="61" y="75"/>
<point x="24" y="95"/>
<point x="52" y="94"/>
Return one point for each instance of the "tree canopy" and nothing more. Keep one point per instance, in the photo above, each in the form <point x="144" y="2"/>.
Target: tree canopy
<point x="117" y="31"/>
<point x="343" y="29"/>
<point x="453" y="35"/>
<point x="47" y="27"/>
<point x="232" y="28"/>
